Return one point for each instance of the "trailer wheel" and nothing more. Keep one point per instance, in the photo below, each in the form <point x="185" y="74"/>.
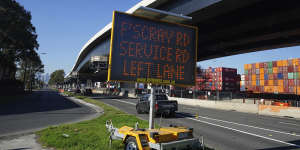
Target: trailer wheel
<point x="131" y="144"/>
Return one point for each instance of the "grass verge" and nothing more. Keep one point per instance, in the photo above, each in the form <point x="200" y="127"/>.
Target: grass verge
<point x="88" y="135"/>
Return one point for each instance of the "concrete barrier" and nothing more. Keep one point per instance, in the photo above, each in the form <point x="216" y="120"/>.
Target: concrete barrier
<point x="279" y="111"/>
<point x="242" y="107"/>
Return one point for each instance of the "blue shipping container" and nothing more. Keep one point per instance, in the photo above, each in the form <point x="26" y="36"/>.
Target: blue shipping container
<point x="266" y="77"/>
<point x="280" y="76"/>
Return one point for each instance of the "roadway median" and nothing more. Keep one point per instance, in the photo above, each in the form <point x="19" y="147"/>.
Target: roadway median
<point x="90" y="134"/>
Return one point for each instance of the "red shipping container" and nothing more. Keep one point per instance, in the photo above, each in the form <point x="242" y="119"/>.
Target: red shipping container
<point x="257" y="89"/>
<point x="291" y="82"/>
<point x="290" y="69"/>
<point x="286" y="83"/>
<point x="265" y="65"/>
<point x="285" y="68"/>
<point x="274" y="63"/>
<point x="291" y="89"/>
<point x="286" y="89"/>
<point x="266" y="82"/>
<point x="285" y="76"/>
<point x="275" y="76"/>
<point x="296" y="68"/>
<point x="257" y="77"/>
<point x="261" y="65"/>
<point x="280" y="70"/>
<point x="261" y="89"/>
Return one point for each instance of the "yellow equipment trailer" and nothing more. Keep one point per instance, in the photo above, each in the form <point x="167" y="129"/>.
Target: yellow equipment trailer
<point x="166" y="138"/>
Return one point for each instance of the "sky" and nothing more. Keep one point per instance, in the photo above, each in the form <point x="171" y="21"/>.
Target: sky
<point x="64" y="26"/>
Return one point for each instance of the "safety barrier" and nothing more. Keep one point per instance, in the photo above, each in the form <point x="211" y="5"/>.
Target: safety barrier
<point x="282" y="111"/>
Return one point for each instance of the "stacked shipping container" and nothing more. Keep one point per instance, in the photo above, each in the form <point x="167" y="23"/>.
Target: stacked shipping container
<point x="281" y="77"/>
<point x="221" y="79"/>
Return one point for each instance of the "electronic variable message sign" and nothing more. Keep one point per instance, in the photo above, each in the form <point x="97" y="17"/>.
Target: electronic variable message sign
<point x="149" y="51"/>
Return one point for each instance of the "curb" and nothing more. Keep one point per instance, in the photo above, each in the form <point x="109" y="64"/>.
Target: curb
<point x="94" y="107"/>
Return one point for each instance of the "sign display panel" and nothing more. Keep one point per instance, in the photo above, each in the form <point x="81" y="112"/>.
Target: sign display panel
<point x="150" y="51"/>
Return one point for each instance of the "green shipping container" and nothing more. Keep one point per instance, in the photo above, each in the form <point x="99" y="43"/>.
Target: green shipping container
<point x="270" y="70"/>
<point x="246" y="71"/>
<point x="270" y="65"/>
<point x="290" y="75"/>
<point x="297" y="75"/>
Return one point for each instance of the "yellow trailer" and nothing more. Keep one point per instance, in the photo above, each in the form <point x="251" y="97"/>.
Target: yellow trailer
<point x="166" y="138"/>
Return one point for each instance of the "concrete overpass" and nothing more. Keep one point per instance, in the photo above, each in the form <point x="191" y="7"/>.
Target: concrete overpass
<point x="226" y="27"/>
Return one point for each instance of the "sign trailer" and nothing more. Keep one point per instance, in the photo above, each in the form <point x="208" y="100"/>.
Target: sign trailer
<point x="150" y="51"/>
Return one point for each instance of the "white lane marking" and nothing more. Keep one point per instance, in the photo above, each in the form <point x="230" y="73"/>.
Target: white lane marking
<point x="249" y="126"/>
<point x="290" y="123"/>
<point x="298" y="146"/>
<point x="191" y="108"/>
<point x="125" y="102"/>
<point x="233" y="123"/>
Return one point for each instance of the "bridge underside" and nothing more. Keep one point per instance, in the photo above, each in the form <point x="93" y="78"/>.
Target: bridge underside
<point x="233" y="27"/>
<point x="258" y="26"/>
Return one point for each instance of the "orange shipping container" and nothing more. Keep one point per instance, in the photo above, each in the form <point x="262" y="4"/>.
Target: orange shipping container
<point x="275" y="70"/>
<point x="272" y="89"/>
<point x="280" y="89"/>
<point x="261" y="76"/>
<point x="254" y="77"/>
<point x="271" y="82"/>
<point x="298" y="90"/>
<point x="257" y="65"/>
<point x="254" y="83"/>
<point x="280" y="83"/>
<point x="246" y="66"/>
<point x="261" y="70"/>
<point x="249" y="66"/>
<point x="275" y="89"/>
<point x="269" y="89"/>
<point x="266" y="89"/>
<point x="285" y="63"/>
<point x="295" y="61"/>
<point x="279" y="63"/>
<point x="262" y="82"/>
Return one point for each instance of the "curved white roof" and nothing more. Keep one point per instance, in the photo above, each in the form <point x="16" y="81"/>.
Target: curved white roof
<point x="145" y="3"/>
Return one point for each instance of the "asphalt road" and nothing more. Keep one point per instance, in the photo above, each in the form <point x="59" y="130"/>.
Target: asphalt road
<point x="227" y="130"/>
<point x="39" y="110"/>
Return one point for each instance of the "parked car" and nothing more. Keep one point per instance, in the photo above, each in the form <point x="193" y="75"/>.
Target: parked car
<point x="161" y="103"/>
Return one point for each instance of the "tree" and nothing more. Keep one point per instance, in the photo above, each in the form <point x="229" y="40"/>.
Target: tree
<point x="17" y="36"/>
<point x="30" y="65"/>
<point x="56" y="77"/>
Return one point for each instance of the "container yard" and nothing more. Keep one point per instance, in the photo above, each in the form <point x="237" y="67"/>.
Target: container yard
<point x="220" y="79"/>
<point x="277" y="77"/>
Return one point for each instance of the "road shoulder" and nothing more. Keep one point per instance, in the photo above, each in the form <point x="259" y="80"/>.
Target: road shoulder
<point x="29" y="140"/>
